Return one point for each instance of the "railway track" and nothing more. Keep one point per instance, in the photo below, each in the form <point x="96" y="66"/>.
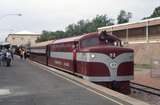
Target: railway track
<point x="146" y="89"/>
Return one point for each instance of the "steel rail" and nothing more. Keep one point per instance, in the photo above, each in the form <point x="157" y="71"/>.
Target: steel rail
<point x="147" y="89"/>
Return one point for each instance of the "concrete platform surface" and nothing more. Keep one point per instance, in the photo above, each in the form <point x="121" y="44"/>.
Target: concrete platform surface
<point x="28" y="84"/>
<point x="144" y="77"/>
<point x="100" y="90"/>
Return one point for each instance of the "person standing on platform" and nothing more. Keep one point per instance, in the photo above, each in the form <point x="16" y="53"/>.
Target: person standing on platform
<point x="21" y="53"/>
<point x="0" y="57"/>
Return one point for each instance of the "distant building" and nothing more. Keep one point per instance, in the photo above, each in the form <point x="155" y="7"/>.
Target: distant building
<point x="23" y="38"/>
<point x="144" y="31"/>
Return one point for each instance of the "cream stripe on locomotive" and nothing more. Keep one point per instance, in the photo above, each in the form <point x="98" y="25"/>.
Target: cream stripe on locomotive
<point x="112" y="64"/>
<point x="38" y="51"/>
<point x="62" y="55"/>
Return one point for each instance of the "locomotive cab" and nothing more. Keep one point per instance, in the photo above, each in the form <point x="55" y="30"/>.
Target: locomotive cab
<point x="103" y="59"/>
<point x="109" y="40"/>
<point x="100" y="39"/>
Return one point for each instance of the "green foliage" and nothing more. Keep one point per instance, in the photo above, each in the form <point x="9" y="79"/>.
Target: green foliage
<point x="100" y="21"/>
<point x="156" y="13"/>
<point x="86" y="26"/>
<point x="48" y="35"/>
<point x="81" y="27"/>
<point x="124" y="17"/>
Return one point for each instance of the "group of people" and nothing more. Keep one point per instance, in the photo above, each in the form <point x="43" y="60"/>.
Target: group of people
<point x="6" y="55"/>
<point x="23" y="53"/>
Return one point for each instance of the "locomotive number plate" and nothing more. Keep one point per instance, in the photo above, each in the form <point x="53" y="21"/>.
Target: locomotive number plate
<point x="113" y="65"/>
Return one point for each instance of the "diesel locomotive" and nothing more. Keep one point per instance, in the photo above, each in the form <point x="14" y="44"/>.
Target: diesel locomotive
<point x="96" y="57"/>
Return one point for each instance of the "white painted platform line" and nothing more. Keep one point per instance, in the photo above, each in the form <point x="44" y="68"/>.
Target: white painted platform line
<point x="4" y="92"/>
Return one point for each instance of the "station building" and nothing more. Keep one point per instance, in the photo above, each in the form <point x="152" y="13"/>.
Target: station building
<point x="142" y="36"/>
<point x="23" y="38"/>
<point x="143" y="31"/>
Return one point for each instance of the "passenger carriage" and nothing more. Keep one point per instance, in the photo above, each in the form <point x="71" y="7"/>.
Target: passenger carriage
<point x="38" y="52"/>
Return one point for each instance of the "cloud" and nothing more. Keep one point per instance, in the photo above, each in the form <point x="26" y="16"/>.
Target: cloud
<point x="57" y="14"/>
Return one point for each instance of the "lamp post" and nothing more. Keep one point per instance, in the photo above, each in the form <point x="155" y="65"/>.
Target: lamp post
<point x="6" y="15"/>
<point x="19" y="14"/>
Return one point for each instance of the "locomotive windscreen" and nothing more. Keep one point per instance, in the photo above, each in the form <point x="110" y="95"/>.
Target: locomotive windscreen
<point x="105" y="36"/>
<point x="90" y="42"/>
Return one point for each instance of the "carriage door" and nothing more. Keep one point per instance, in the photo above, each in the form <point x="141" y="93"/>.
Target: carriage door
<point x="75" y="57"/>
<point x="47" y="54"/>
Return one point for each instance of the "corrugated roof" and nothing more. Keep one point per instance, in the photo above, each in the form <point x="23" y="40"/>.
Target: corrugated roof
<point x="43" y="43"/>
<point x="71" y="39"/>
<point x="4" y="43"/>
<point x="142" y="23"/>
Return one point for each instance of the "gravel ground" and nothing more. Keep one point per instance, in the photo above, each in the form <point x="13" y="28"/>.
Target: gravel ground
<point x="151" y="99"/>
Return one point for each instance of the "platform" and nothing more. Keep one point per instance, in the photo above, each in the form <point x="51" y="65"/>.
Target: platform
<point x="28" y="83"/>
<point x="144" y="77"/>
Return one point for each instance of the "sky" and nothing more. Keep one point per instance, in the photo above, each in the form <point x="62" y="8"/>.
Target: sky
<point x="52" y="15"/>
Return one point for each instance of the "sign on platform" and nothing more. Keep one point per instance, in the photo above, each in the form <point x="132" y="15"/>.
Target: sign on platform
<point x="155" y="71"/>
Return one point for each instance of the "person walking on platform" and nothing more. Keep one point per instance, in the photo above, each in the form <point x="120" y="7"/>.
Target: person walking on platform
<point x="0" y="57"/>
<point x="12" y="53"/>
<point x="3" y="58"/>
<point x="21" y="53"/>
<point x="25" y="54"/>
<point x="9" y="57"/>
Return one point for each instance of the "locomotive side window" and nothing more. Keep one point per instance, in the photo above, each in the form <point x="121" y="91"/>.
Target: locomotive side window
<point x="90" y="42"/>
<point x="113" y="43"/>
<point x="109" y="40"/>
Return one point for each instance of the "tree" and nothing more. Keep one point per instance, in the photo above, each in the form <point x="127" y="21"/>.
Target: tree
<point x="71" y="30"/>
<point x="156" y="13"/>
<point x="100" y="21"/>
<point x="48" y="35"/>
<point x="124" y="17"/>
<point x="79" y="28"/>
<point x="86" y="26"/>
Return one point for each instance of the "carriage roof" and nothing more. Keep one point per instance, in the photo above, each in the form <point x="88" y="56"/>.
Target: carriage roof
<point x="77" y="38"/>
<point x="73" y="39"/>
<point x="43" y="43"/>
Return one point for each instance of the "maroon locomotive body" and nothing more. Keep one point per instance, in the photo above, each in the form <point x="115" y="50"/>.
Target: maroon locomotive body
<point x="96" y="57"/>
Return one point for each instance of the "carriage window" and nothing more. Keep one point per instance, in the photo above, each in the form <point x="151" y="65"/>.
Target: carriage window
<point x="90" y="42"/>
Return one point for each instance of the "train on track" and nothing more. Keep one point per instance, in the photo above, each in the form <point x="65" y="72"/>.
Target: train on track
<point x="97" y="57"/>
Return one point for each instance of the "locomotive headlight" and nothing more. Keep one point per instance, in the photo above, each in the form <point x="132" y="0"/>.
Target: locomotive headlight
<point x="92" y="56"/>
<point x="131" y="57"/>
